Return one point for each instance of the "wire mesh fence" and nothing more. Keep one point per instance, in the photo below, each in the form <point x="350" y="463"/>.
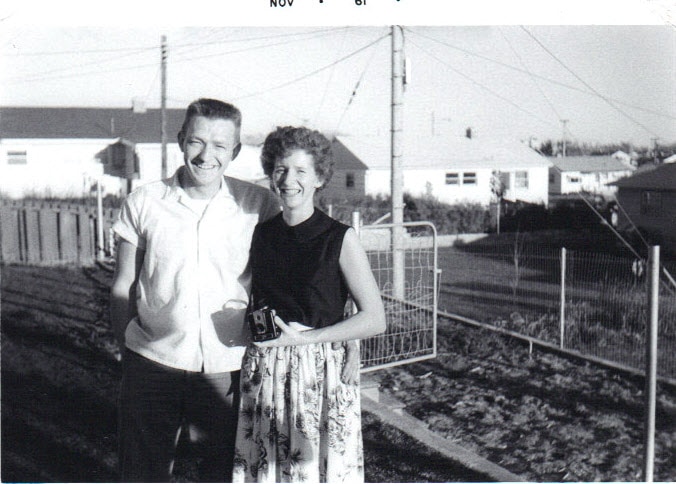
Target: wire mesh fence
<point x="411" y="320"/>
<point x="592" y="303"/>
<point x="607" y="311"/>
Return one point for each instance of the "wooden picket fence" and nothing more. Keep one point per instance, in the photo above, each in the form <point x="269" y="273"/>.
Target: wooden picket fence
<point x="51" y="233"/>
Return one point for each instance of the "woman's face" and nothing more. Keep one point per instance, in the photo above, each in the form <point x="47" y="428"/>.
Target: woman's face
<point x="295" y="180"/>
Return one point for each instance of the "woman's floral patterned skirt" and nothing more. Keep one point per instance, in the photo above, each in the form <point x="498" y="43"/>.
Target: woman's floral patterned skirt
<point x="298" y="422"/>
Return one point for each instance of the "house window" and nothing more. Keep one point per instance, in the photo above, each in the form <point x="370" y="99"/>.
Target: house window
<point x="349" y="180"/>
<point x="521" y="179"/>
<point x="469" y="178"/>
<point x="506" y="179"/>
<point x="651" y="203"/>
<point x="552" y="178"/>
<point x="17" y="158"/>
<point x="452" y="178"/>
<point x="573" y="179"/>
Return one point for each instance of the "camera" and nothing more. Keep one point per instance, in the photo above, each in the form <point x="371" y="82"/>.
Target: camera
<point x="262" y="324"/>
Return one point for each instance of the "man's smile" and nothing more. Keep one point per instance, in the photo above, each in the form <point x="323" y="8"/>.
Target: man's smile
<point x="205" y="166"/>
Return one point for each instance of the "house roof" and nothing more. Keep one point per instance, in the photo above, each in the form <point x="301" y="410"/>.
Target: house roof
<point x="662" y="177"/>
<point x="345" y="158"/>
<point x="88" y="123"/>
<point x="444" y="153"/>
<point x="590" y="164"/>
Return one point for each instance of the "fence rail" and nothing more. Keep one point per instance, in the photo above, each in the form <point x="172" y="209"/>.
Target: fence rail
<point x="591" y="303"/>
<point x="51" y="233"/>
<point x="594" y="304"/>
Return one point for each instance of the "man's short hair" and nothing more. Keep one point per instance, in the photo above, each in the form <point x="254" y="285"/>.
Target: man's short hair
<point x="212" y="109"/>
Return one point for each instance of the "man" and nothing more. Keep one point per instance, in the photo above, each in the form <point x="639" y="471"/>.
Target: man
<point x="178" y="302"/>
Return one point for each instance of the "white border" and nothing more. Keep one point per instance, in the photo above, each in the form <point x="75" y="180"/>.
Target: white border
<point x="159" y="14"/>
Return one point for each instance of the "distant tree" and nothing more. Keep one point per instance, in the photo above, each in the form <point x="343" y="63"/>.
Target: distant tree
<point x="546" y="148"/>
<point x="498" y="194"/>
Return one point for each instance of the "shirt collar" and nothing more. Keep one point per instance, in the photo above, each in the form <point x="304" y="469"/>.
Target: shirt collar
<point x="317" y="224"/>
<point x="175" y="192"/>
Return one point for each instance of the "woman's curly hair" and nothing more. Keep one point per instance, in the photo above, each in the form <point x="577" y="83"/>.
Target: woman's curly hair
<point x="280" y="143"/>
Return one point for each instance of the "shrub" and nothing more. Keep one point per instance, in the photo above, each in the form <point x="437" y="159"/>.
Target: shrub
<point x="448" y="219"/>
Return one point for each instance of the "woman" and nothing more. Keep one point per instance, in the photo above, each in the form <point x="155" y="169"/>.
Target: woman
<point x="298" y="420"/>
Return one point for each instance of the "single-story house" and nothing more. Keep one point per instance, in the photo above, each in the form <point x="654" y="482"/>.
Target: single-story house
<point x="648" y="202"/>
<point x="454" y="170"/>
<point x="591" y="174"/>
<point x="349" y="175"/>
<point x="61" y="152"/>
<point x="626" y="158"/>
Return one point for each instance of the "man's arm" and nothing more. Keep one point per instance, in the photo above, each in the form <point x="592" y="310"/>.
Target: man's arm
<point x="123" y="290"/>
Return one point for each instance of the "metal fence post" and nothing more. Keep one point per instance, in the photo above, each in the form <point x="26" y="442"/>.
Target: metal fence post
<point x="100" y="252"/>
<point x="562" y="309"/>
<point x="651" y="361"/>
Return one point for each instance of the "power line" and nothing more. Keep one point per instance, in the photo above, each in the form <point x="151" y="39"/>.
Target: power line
<point x="317" y="71"/>
<point x="139" y="49"/>
<point x="71" y="67"/>
<point x="152" y="83"/>
<point x="41" y="75"/>
<point x="523" y="64"/>
<point x="328" y="83"/>
<point x="248" y="49"/>
<point x="78" y="51"/>
<point x="607" y="100"/>
<point x="230" y="81"/>
<point x="265" y="37"/>
<point x="83" y="74"/>
<point x="356" y="88"/>
<point x="553" y="81"/>
<point x="481" y="85"/>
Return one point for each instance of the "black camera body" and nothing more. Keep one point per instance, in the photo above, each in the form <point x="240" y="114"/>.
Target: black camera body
<point x="262" y="324"/>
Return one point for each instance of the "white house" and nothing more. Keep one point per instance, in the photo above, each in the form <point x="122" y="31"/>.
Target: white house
<point x="592" y="174"/>
<point x="61" y="152"/>
<point x="454" y="170"/>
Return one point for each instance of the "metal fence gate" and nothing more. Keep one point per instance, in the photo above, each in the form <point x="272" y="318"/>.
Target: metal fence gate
<point x="411" y="333"/>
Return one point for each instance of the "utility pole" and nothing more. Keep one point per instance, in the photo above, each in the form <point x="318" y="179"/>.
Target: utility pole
<point x="163" y="108"/>
<point x="655" y="157"/>
<point x="564" y="122"/>
<point x="396" y="160"/>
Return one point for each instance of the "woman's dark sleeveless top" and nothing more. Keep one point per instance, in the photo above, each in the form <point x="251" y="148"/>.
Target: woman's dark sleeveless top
<point x="295" y="270"/>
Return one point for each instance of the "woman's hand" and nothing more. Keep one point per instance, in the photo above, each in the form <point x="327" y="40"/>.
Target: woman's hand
<point x="350" y="373"/>
<point x="288" y="337"/>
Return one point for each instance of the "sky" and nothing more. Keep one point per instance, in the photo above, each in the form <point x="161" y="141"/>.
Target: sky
<point x="593" y="76"/>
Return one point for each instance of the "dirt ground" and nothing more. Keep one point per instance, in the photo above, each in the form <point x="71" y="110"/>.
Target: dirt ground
<point x="538" y="415"/>
<point x="60" y="381"/>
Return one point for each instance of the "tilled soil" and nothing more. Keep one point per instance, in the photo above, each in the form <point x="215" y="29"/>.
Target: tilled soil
<point x="541" y="416"/>
<point x="60" y="381"/>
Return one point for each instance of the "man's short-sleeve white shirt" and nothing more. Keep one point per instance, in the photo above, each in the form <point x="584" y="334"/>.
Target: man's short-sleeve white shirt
<point x="194" y="283"/>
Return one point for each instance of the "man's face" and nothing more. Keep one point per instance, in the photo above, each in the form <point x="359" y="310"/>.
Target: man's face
<point x="208" y="146"/>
